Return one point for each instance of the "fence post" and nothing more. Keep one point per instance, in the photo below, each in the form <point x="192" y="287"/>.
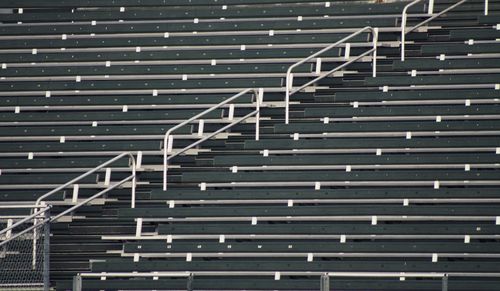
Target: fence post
<point x="325" y="282"/>
<point x="46" y="252"/>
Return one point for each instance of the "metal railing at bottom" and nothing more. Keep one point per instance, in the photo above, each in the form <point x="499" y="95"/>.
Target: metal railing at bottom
<point x="324" y="284"/>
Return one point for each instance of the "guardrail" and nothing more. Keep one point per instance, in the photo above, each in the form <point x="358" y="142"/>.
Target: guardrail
<point x="324" y="276"/>
<point x="169" y="138"/>
<point x="289" y="75"/>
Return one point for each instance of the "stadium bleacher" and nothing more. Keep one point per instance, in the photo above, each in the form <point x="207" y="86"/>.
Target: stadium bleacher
<point x="386" y="182"/>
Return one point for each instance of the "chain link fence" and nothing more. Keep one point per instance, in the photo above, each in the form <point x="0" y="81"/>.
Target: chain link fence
<point x="23" y="253"/>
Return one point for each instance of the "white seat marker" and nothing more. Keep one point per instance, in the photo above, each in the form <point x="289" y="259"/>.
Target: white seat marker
<point x="434" y="258"/>
<point x="317" y="185"/>
<point x="277" y="276"/>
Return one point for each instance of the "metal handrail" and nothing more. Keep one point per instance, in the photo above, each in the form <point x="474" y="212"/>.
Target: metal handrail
<point x="73" y="181"/>
<point x="168" y="139"/>
<point x="291" y="273"/>
<point x="404" y="19"/>
<point x="289" y="76"/>
<point x="444" y="276"/>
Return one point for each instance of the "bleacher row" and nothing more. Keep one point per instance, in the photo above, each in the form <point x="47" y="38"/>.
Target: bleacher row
<point x="397" y="173"/>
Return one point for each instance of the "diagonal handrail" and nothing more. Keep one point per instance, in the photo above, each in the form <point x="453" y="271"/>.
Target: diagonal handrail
<point x="169" y="138"/>
<point x="91" y="171"/>
<point x="404" y="19"/>
<point x="289" y="76"/>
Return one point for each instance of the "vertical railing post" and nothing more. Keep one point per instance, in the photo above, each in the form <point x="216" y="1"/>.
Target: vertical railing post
<point x="46" y="252"/>
<point x="444" y="283"/>
<point x="77" y="283"/>
<point x="168" y="144"/>
<point x="288" y="89"/>
<point x="134" y="182"/>
<point x="190" y="282"/>
<point x="325" y="282"/>
<point x="430" y="9"/>
<point x="259" y="98"/>
<point x="485" y="7"/>
<point x="374" y="55"/>
<point x="403" y="35"/>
